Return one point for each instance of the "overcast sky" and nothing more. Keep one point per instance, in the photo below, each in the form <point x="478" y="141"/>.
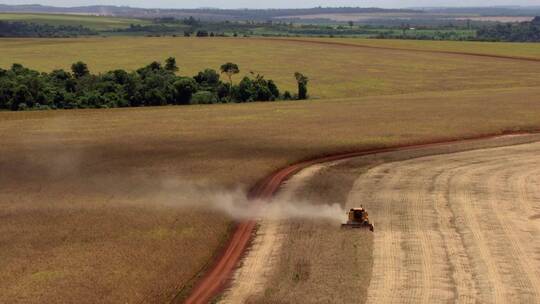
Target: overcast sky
<point x="275" y="3"/>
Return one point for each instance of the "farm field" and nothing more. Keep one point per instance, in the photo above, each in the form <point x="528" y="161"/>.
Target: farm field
<point x="108" y="202"/>
<point x="435" y="239"/>
<point x="92" y="22"/>
<point x="525" y="50"/>
<point x="348" y="72"/>
<point x="107" y="184"/>
<point x="461" y="211"/>
<point x="362" y="17"/>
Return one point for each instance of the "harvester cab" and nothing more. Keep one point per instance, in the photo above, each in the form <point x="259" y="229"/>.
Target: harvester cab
<point x="358" y="218"/>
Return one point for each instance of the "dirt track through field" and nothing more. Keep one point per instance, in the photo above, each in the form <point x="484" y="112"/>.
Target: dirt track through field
<point x="250" y="278"/>
<point x="460" y="227"/>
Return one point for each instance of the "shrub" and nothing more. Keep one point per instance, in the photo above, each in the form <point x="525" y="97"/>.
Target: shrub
<point x="204" y="97"/>
<point x="287" y="95"/>
<point x="80" y="69"/>
<point x="184" y="90"/>
<point x="207" y="78"/>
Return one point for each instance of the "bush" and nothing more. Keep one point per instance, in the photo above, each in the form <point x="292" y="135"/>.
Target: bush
<point x="184" y="90"/>
<point x="255" y="89"/>
<point x="80" y="69"/>
<point x="204" y="97"/>
<point x="207" y="78"/>
<point x="287" y="96"/>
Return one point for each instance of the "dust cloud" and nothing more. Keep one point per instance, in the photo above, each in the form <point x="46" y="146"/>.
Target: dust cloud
<point x="237" y="205"/>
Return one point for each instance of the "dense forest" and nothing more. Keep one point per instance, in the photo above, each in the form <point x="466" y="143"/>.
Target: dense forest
<point x="26" y="29"/>
<point x="153" y="85"/>
<point x="512" y="32"/>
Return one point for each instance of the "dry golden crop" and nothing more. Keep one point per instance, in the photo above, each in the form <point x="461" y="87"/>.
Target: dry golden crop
<point x="88" y="205"/>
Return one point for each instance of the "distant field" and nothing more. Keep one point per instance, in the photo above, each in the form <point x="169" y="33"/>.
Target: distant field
<point x="353" y="16"/>
<point x="499" y="18"/>
<point x="334" y="70"/>
<point x="360" y="17"/>
<point x="92" y="22"/>
<point x="527" y="50"/>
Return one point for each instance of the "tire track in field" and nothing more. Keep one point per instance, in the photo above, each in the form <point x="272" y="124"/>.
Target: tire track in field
<point x="512" y="200"/>
<point x="390" y="257"/>
<point x="455" y="228"/>
<point x="462" y="283"/>
<point x="510" y="278"/>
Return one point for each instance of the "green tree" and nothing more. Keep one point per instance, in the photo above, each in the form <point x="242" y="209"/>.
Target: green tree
<point x="170" y="65"/>
<point x="21" y="96"/>
<point x="207" y="78"/>
<point x="80" y="69"/>
<point x="244" y="91"/>
<point x="230" y="69"/>
<point x="184" y="90"/>
<point x="204" y="97"/>
<point x="273" y="89"/>
<point x="18" y="68"/>
<point x="60" y="75"/>
<point x="154" y="66"/>
<point x="302" y="82"/>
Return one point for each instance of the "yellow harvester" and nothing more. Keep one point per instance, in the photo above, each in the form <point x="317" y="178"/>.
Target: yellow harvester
<point x="358" y="218"/>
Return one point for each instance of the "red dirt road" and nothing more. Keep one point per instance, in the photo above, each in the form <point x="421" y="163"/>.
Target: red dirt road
<point x="218" y="275"/>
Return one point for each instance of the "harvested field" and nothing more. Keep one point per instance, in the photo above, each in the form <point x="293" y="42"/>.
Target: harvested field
<point x="339" y="272"/>
<point x="456" y="227"/>
<point x="349" y="72"/>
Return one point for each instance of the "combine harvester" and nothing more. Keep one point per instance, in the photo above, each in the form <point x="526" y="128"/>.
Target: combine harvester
<point x="358" y="218"/>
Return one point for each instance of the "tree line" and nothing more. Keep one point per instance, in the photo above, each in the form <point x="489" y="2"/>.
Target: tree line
<point x="27" y="29"/>
<point x="153" y="85"/>
<point x="512" y="32"/>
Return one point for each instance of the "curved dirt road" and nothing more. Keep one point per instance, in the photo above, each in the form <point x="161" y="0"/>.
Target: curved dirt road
<point x="462" y="227"/>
